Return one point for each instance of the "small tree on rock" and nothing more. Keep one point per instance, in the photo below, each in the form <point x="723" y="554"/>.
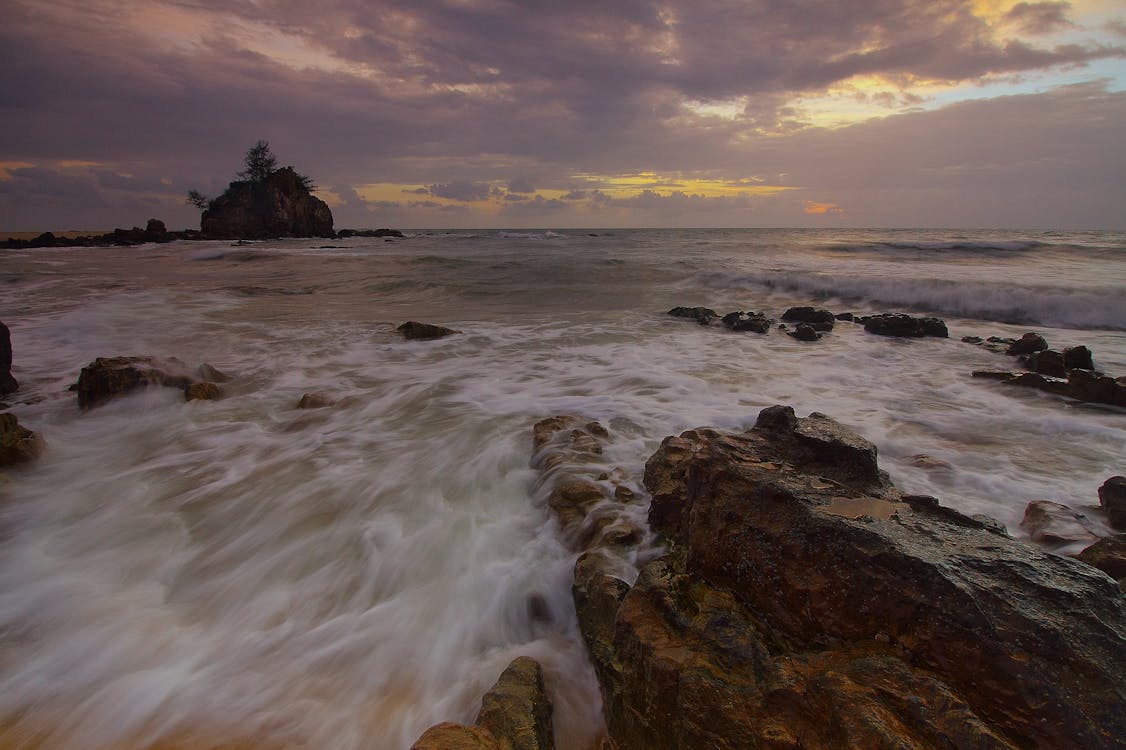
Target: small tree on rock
<point x="198" y="199"/>
<point x="260" y="163"/>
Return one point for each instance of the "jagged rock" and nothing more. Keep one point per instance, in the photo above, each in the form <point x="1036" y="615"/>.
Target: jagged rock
<point x="1027" y="344"/>
<point x="107" y="377"/>
<point x="804" y="602"/>
<point x="278" y="206"/>
<point x="412" y="330"/>
<point x="515" y="715"/>
<point x="1082" y="385"/>
<point x="818" y="319"/>
<point x="747" y="321"/>
<point x="1108" y="555"/>
<point x="1046" y="362"/>
<point x="1055" y="525"/>
<point x="805" y="332"/>
<point x="18" y="445"/>
<point x="8" y="384"/>
<point x="314" y="401"/>
<point x="1112" y="498"/>
<point x="898" y="324"/>
<point x="702" y="315"/>
<point x="1078" y="358"/>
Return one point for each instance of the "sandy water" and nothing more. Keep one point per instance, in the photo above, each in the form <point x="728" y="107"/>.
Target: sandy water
<point x="347" y="577"/>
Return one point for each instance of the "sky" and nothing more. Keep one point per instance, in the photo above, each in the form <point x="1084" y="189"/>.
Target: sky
<point x="589" y="113"/>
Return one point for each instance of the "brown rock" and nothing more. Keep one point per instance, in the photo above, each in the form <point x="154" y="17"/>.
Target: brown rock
<point x="202" y="392"/>
<point x="1112" y="498"/>
<point x="412" y="330"/>
<point x="278" y="206"/>
<point x="1047" y="362"/>
<point x="1027" y="344"/>
<point x="211" y="373"/>
<point x="18" y="445"/>
<point x="8" y="384"/>
<point x="516" y="710"/>
<point x="1056" y="525"/>
<point x="314" y="401"/>
<point x="1108" y="555"/>
<point x="456" y="737"/>
<point x="807" y="603"/>
<point x="107" y="377"/>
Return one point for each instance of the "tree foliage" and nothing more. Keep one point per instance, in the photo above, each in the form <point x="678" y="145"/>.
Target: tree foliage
<point x="198" y="199"/>
<point x="259" y="163"/>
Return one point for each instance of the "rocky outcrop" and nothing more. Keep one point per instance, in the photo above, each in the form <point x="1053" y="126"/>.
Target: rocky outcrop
<point x="18" y="445"/>
<point x="805" y="602"/>
<point x="412" y="330"/>
<point x="1027" y="344"/>
<point x="1081" y="385"/>
<point x="278" y="206"/>
<point x="702" y="315"/>
<point x="515" y="715"/>
<point x="8" y="384"/>
<point x="1046" y="362"/>
<point x="1108" y="555"/>
<point x="820" y="320"/>
<point x="1112" y="498"/>
<point x="107" y="377"/>
<point x="898" y="324"/>
<point x="805" y="332"/>
<point x="747" y="321"/>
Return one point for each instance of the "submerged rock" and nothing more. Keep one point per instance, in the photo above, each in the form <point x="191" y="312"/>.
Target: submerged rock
<point x="314" y="401"/>
<point x="804" y="602"/>
<point x="818" y="319"/>
<point x="202" y="392"/>
<point x="1081" y="385"/>
<point x="107" y="377"/>
<point x="515" y="715"/>
<point x="412" y="330"/>
<point x="747" y="321"/>
<point x="702" y="315"/>
<point x="18" y="445"/>
<point x="8" y="384"/>
<point x="898" y="324"/>
<point x="805" y="332"/>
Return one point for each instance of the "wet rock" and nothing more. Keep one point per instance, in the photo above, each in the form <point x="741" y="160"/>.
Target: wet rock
<point x="973" y="340"/>
<point x="18" y="445"/>
<point x="107" y="377"/>
<point x="8" y="384"/>
<point x="515" y="715"/>
<point x="1087" y="385"/>
<point x="1112" y="498"/>
<point x="805" y="332"/>
<point x="1027" y="344"/>
<point x="747" y="321"/>
<point x="1078" y="358"/>
<point x="314" y="401"/>
<point x="804" y="602"/>
<point x="898" y="324"/>
<point x="923" y="461"/>
<point x="1055" y="525"/>
<point x="278" y="206"/>
<point x="212" y="374"/>
<point x="202" y="392"/>
<point x="1046" y="362"/>
<point x="818" y="319"/>
<point x="1108" y="555"/>
<point x="412" y="330"/>
<point x="702" y="315"/>
<point x="847" y="316"/>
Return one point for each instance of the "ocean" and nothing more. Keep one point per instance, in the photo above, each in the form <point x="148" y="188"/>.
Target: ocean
<point x="345" y="577"/>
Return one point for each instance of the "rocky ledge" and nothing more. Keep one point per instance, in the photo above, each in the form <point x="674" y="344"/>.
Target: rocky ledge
<point x="804" y="602"/>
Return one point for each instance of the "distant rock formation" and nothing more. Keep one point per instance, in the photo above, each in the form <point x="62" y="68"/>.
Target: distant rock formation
<point x="278" y="206"/>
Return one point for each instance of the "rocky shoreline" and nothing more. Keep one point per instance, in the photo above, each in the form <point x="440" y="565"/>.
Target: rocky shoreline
<point x="155" y="231"/>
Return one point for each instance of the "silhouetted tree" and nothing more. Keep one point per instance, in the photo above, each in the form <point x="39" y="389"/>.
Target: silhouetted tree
<point x="260" y="163"/>
<point x="198" y="199"/>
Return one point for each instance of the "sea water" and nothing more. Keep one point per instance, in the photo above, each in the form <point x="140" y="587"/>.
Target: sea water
<point x="346" y="577"/>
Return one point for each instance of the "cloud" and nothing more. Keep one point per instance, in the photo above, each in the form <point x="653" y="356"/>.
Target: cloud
<point x="521" y="185"/>
<point x="819" y="208"/>
<point x="1040" y="18"/>
<point x="461" y="191"/>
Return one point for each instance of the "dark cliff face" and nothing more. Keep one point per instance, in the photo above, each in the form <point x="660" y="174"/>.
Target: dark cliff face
<point x="279" y="206"/>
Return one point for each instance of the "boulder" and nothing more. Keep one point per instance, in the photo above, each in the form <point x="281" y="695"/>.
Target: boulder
<point x="1046" y="362"/>
<point x="412" y="330"/>
<point x="107" y="377"/>
<point x="804" y="602"/>
<point x="515" y="715"/>
<point x="846" y="316"/>
<point x="805" y="332"/>
<point x="747" y="321"/>
<point x="1027" y="344"/>
<point x="1108" y="555"/>
<point x="278" y="206"/>
<point x="314" y="401"/>
<point x="898" y="324"/>
<point x="18" y="445"/>
<point x="818" y="319"/>
<point x="1078" y="358"/>
<point x="1055" y="525"/>
<point x="1112" y="498"/>
<point x="8" y="384"/>
<point x="702" y="315"/>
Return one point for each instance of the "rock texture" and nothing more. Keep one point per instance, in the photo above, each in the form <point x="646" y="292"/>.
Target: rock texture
<point x="1112" y="498"/>
<point x="515" y="715"/>
<point x="1027" y="344"/>
<point x="18" y="445"/>
<point x="805" y="603"/>
<point x="820" y="320"/>
<point x="747" y="321"/>
<point x="1108" y="555"/>
<point x="1055" y="525"/>
<point x="1081" y="385"/>
<point x="898" y="324"/>
<point x="412" y="330"/>
<point x="8" y="384"/>
<point x="702" y="315"/>
<point x="107" y="377"/>
<point x="278" y="206"/>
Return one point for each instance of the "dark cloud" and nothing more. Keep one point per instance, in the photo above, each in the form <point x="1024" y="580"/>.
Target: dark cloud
<point x="521" y="185"/>
<point x="461" y="191"/>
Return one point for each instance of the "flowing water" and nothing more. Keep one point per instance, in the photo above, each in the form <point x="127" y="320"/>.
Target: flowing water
<point x="346" y="577"/>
